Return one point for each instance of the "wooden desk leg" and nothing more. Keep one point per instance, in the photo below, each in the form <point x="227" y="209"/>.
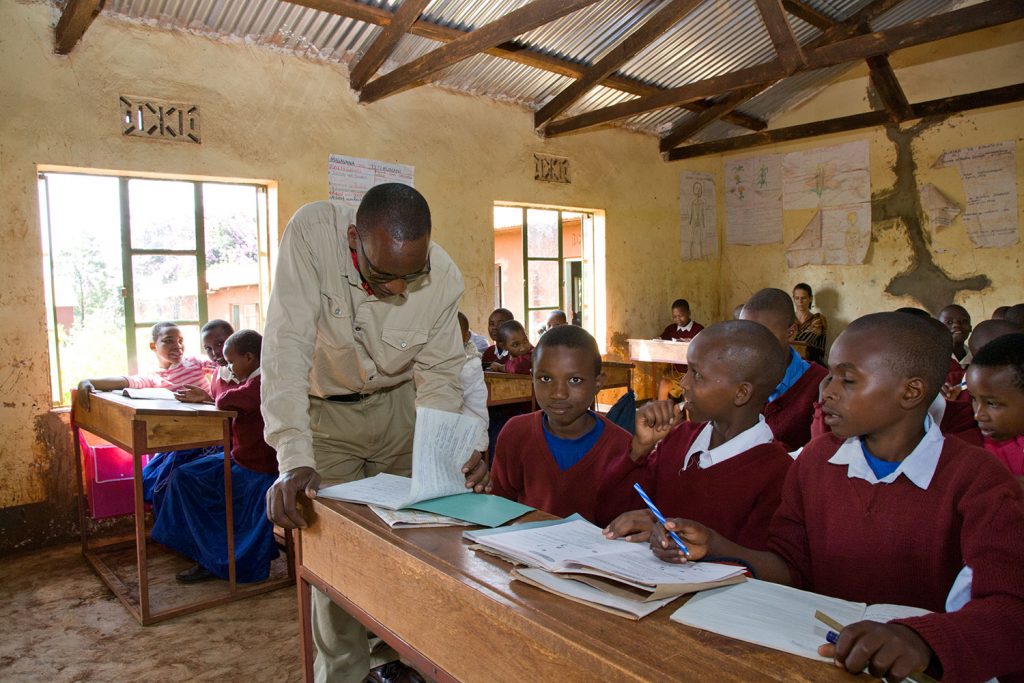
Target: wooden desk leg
<point x="305" y="596"/>
<point x="138" y="441"/>
<point x="82" y="528"/>
<point x="229" y="511"/>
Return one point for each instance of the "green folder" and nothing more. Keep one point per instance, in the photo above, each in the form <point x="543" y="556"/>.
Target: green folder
<point x="476" y="508"/>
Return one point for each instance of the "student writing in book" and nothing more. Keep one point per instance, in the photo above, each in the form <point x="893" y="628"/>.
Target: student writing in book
<point x="555" y="459"/>
<point x="996" y="381"/>
<point x="683" y="328"/>
<point x="519" y="360"/>
<point x="886" y="510"/>
<point x="723" y="467"/>
<point x="191" y="517"/>
<point x="790" y="407"/>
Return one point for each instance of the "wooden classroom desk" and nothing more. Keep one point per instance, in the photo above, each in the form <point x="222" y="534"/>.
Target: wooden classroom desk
<point x="456" y="615"/>
<point x="658" y="351"/>
<point x="503" y="388"/>
<point x="141" y="426"/>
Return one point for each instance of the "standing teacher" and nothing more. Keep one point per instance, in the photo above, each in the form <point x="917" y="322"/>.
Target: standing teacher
<point x="362" y="327"/>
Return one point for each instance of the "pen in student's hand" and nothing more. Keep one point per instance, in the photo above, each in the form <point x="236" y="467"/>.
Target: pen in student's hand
<point x="661" y="518"/>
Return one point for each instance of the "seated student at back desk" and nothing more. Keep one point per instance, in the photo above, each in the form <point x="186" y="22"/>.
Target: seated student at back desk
<point x="723" y="468"/>
<point x="496" y="352"/>
<point x="520" y="352"/>
<point x="790" y="407"/>
<point x="556" y="459"/>
<point x="191" y="519"/>
<point x="186" y="376"/>
<point x="887" y="510"/>
<point x="996" y="380"/>
<point x="683" y="328"/>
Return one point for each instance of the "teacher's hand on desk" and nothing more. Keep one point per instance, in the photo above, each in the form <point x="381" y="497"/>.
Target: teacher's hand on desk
<point x="281" y="508"/>
<point x="477" y="474"/>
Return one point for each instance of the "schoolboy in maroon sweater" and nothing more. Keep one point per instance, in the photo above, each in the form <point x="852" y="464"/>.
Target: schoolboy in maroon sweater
<point x="519" y="360"/>
<point x="496" y="352"/>
<point x="556" y="458"/>
<point x="723" y="467"/>
<point x="887" y="510"/>
<point x="790" y="407"/>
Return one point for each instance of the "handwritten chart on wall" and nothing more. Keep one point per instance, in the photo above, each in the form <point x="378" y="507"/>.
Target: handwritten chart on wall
<point x="753" y="200"/>
<point x="989" y="176"/>
<point x="698" y="227"/>
<point x="836" y="181"/>
<point x="349" y="178"/>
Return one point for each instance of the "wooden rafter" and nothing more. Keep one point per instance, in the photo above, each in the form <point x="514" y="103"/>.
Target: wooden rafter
<point x="885" y="83"/>
<point x="940" y="107"/>
<point x="983" y="15"/>
<point x="656" y="25"/>
<point x="516" y="22"/>
<point x="788" y="50"/>
<point x="832" y="30"/>
<point x="510" y="51"/>
<point x="385" y="42"/>
<point x="76" y="18"/>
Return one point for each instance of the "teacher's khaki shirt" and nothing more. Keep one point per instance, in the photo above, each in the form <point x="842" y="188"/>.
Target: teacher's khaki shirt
<point x="325" y="335"/>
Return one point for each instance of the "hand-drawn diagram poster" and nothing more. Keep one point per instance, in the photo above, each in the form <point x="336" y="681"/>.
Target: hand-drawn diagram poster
<point x="348" y="178"/>
<point x="835" y="180"/>
<point x="989" y="176"/>
<point x="698" y="227"/>
<point x="753" y="200"/>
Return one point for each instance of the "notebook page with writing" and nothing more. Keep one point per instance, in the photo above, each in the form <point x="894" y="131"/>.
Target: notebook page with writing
<point x="442" y="443"/>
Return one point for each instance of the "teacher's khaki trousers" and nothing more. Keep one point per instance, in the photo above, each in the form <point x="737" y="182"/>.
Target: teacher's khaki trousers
<point x="353" y="441"/>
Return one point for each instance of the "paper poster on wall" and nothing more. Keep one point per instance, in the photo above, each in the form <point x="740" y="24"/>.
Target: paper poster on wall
<point x="939" y="209"/>
<point x="827" y="176"/>
<point x="753" y="200"/>
<point x="698" y="227"/>
<point x="348" y="178"/>
<point x="989" y="175"/>
<point x="835" y="236"/>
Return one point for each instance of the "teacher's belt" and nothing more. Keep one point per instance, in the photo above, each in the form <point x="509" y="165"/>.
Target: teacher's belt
<point x="358" y="397"/>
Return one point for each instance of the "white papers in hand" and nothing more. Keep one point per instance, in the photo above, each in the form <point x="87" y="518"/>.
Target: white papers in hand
<point x="442" y="443"/>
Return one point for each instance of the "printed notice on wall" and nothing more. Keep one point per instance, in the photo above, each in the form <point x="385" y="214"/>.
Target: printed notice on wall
<point x="827" y="177"/>
<point x="348" y="178"/>
<point x="698" y="227"/>
<point x="753" y="200"/>
<point x="989" y="175"/>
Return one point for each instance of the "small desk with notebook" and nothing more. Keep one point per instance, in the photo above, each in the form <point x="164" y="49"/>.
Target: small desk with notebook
<point x="457" y="614"/>
<point x="141" y="426"/>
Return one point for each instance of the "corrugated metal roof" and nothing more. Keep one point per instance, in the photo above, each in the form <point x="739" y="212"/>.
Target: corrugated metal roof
<point x="717" y="37"/>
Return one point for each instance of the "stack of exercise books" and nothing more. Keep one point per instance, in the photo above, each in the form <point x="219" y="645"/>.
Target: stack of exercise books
<point x="572" y="558"/>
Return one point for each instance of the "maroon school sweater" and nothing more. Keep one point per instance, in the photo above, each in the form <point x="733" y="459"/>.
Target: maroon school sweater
<point x="736" y="498"/>
<point x="248" y="448"/>
<point x="791" y="414"/>
<point x="525" y="471"/>
<point x="896" y="543"/>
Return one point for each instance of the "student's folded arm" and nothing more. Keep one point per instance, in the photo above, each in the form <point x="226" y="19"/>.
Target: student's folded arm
<point x="244" y="401"/>
<point x="287" y="356"/>
<point x="983" y="639"/>
<point x="787" y="534"/>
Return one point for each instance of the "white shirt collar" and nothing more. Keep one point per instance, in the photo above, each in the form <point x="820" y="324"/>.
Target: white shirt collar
<point x="919" y="466"/>
<point x="685" y="328"/>
<point x="937" y="410"/>
<point x="225" y="375"/>
<point x="755" y="436"/>
<point x="966" y="360"/>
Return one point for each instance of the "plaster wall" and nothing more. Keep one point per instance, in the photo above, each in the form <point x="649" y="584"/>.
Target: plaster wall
<point x="273" y="116"/>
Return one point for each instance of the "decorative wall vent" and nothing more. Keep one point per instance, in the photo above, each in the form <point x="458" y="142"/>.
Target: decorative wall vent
<point x="159" y="119"/>
<point x="551" y="169"/>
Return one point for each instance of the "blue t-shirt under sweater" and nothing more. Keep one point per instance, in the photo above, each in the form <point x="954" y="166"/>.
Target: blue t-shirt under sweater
<point x="568" y="452"/>
<point x="881" y="468"/>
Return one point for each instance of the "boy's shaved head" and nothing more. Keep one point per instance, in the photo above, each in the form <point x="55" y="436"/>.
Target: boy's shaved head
<point x="1015" y="314"/>
<point x="751" y="352"/>
<point x="246" y="341"/>
<point x="987" y="330"/>
<point x="571" y="337"/>
<point x="1005" y="351"/>
<point x="397" y="209"/>
<point x="509" y="327"/>
<point x="915" y="347"/>
<point x="773" y="301"/>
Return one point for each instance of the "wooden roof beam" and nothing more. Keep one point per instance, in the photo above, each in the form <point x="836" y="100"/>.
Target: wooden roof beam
<point x="515" y="23"/>
<point x="656" y="25"/>
<point x="808" y="14"/>
<point x="788" y="50"/>
<point x="510" y="51"/>
<point x="74" y="21"/>
<point x="983" y="15"/>
<point x="692" y="126"/>
<point x="386" y="42"/>
<point x="940" y="107"/>
<point x="885" y="83"/>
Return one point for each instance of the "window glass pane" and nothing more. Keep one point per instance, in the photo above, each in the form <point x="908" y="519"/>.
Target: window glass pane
<point x="165" y="288"/>
<point x="232" y="258"/>
<point x="162" y="214"/>
<point x="542" y="233"/>
<point x="147" y="361"/>
<point x="85" y="242"/>
<point x="537" y="321"/>
<point x="542" y="283"/>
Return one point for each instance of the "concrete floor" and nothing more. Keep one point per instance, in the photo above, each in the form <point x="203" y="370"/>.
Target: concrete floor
<point x="60" y="623"/>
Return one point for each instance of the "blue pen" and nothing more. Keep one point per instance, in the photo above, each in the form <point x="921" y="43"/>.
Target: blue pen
<point x="832" y="637"/>
<point x="661" y="518"/>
